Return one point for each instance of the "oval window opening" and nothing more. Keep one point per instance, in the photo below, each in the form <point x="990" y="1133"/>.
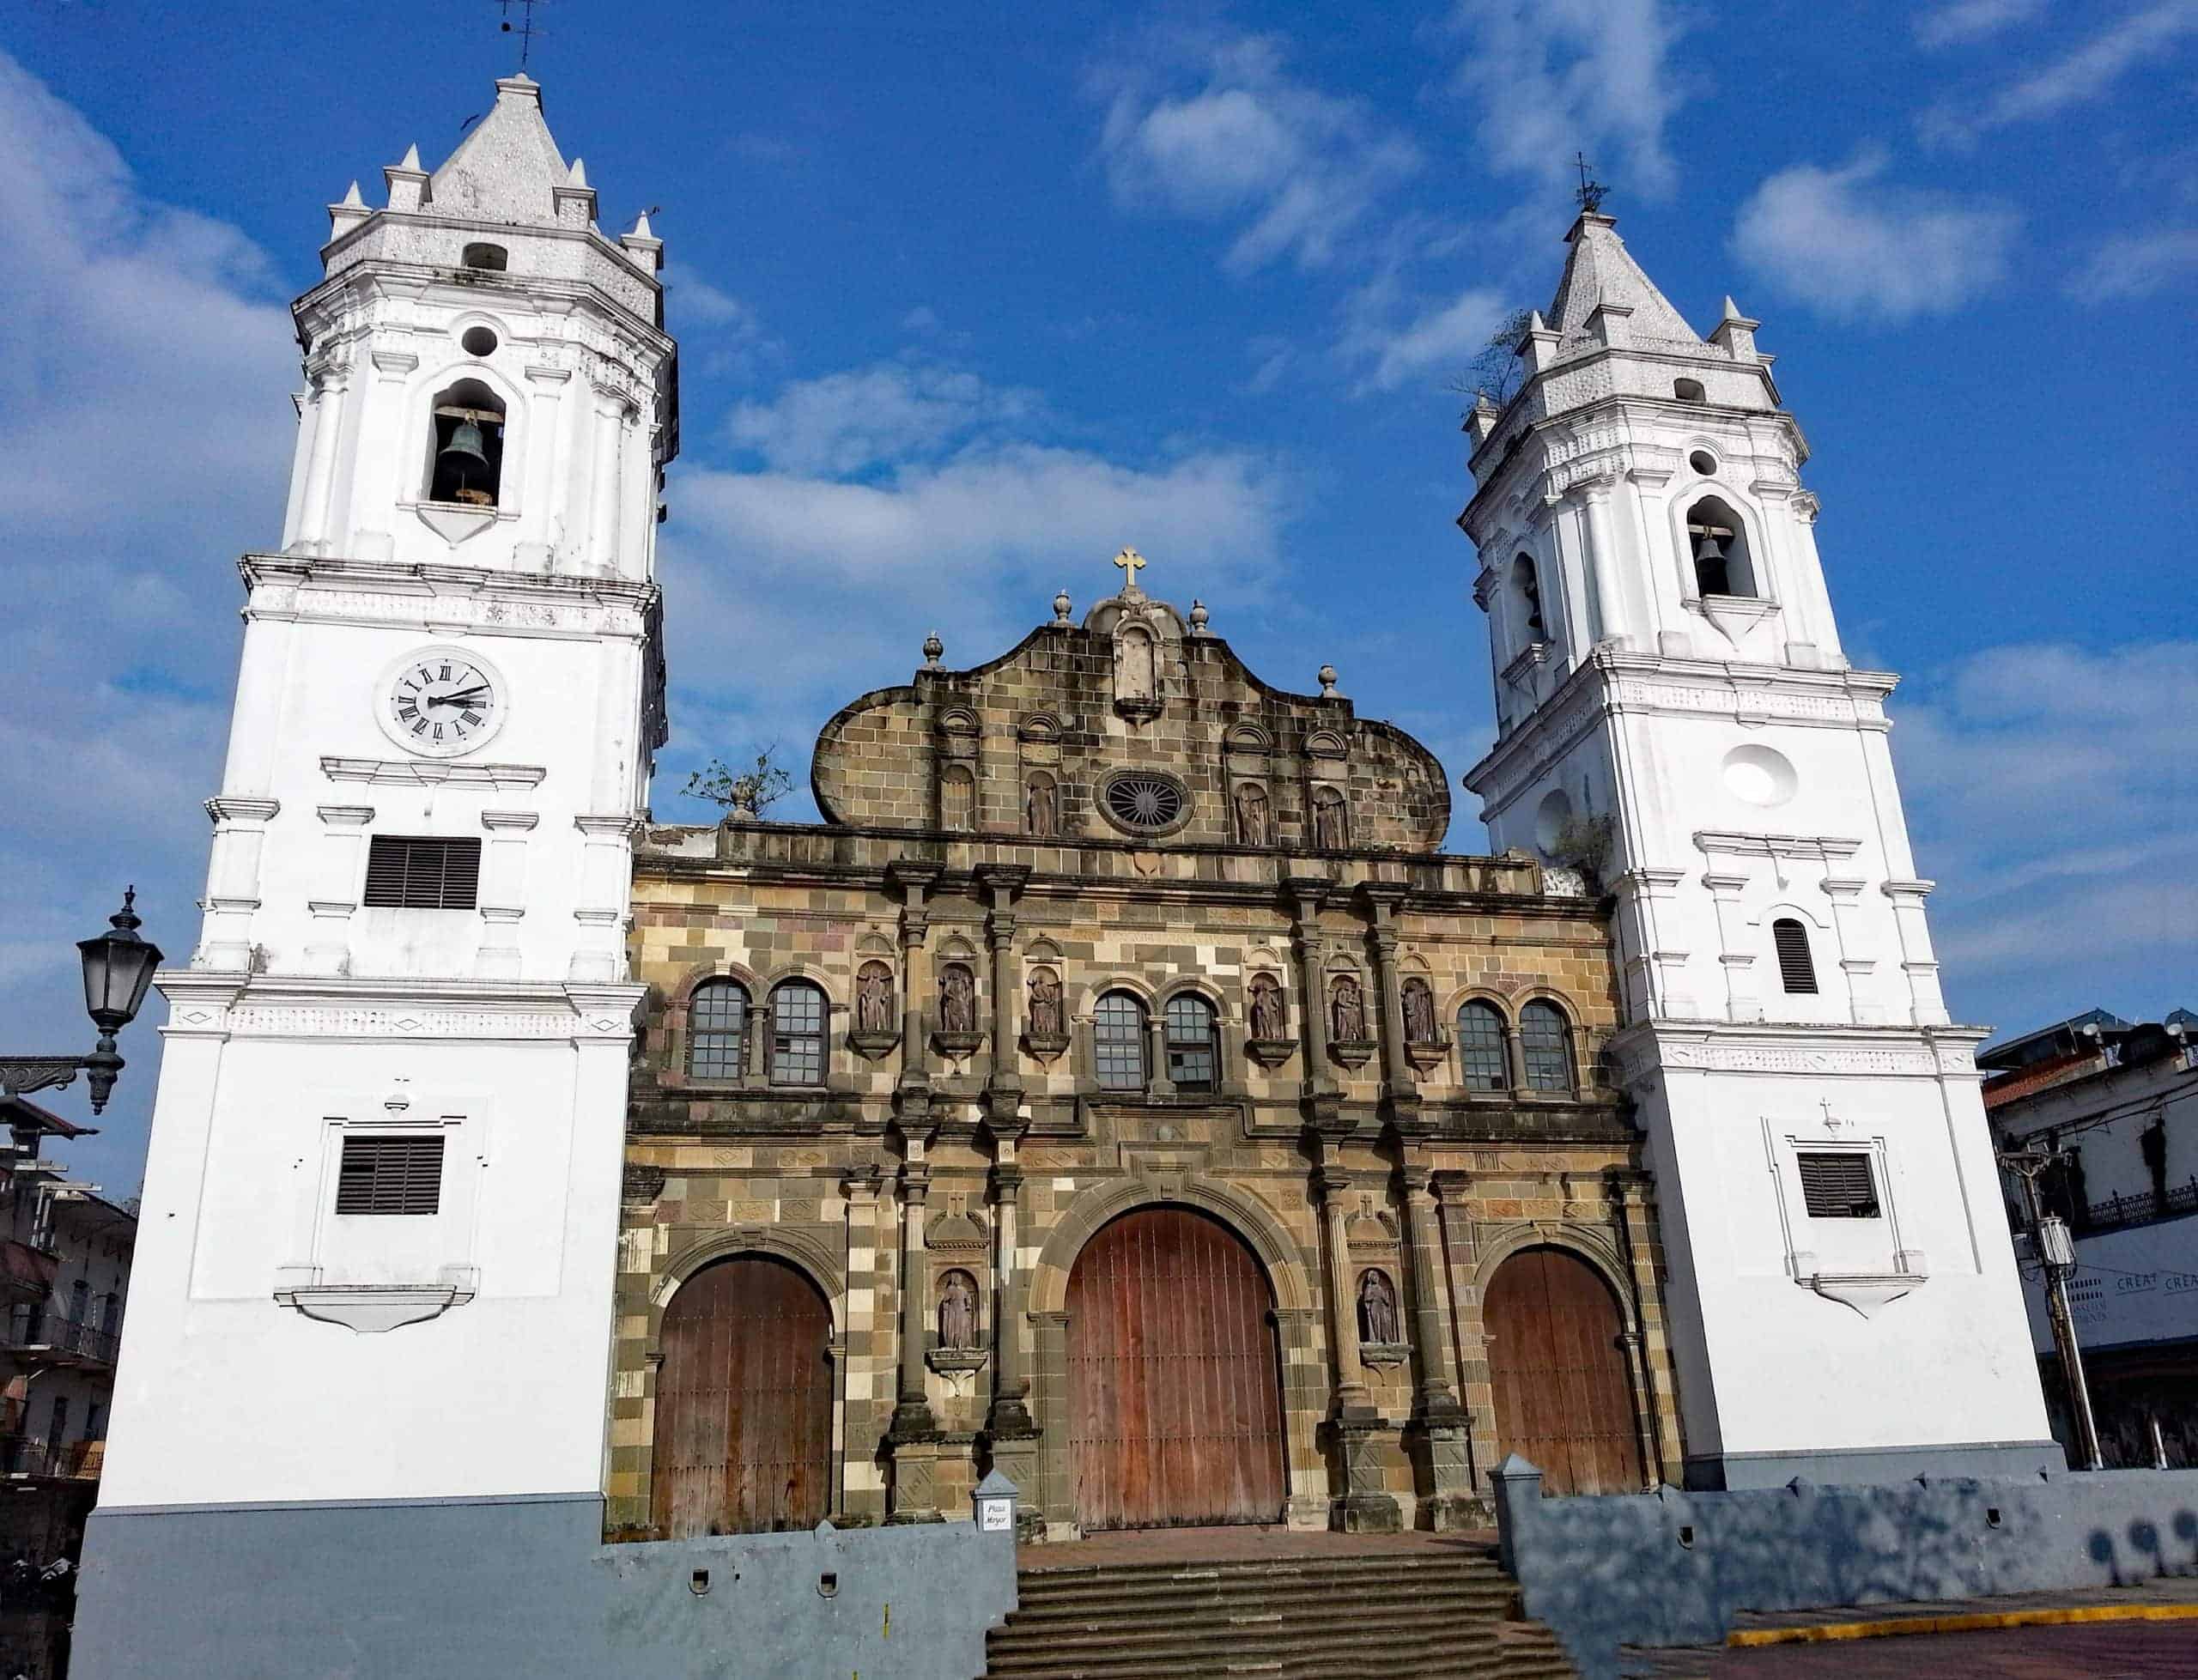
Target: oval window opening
<point x="479" y="342"/>
<point x="1703" y="463"/>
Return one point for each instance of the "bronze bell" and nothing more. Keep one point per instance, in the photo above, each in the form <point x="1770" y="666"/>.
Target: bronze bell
<point x="1706" y="551"/>
<point x="465" y="454"/>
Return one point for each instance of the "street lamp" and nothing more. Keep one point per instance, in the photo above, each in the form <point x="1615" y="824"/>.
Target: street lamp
<point x="118" y="970"/>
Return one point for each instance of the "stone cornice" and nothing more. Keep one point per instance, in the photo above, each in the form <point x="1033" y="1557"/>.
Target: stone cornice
<point x="278" y="1006"/>
<point x="1646" y="1048"/>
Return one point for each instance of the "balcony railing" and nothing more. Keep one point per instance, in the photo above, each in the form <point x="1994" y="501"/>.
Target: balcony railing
<point x="35" y="1331"/>
<point x="2118" y="1211"/>
<point x="35" y="1455"/>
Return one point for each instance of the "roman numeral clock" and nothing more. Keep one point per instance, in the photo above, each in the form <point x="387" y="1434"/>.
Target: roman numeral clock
<point x="440" y="701"/>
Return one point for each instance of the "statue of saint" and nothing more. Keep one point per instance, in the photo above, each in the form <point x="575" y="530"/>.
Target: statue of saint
<point x="1327" y="820"/>
<point x="874" y="999"/>
<point x="1350" y="1011"/>
<point x="1268" y="1020"/>
<point x="1251" y="815"/>
<point x="957" y="1000"/>
<point x="957" y="1311"/>
<point x="1042" y="809"/>
<point x="1045" y="1006"/>
<point x="1419" y="1013"/>
<point x="1377" y="1310"/>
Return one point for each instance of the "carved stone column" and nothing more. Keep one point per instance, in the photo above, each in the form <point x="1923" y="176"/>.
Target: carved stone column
<point x="915" y="1433"/>
<point x="1323" y="1100"/>
<point x="1367" y="1506"/>
<point x="1013" y="1435"/>
<point x="850" y="1505"/>
<point x="1399" y="1084"/>
<point x="1004" y="1089"/>
<point x="1438" y="1436"/>
<point x="915" y="882"/>
<point x="1634" y="1216"/>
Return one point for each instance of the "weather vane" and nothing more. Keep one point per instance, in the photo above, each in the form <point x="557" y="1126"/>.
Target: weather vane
<point x="525" y="29"/>
<point x="1590" y="195"/>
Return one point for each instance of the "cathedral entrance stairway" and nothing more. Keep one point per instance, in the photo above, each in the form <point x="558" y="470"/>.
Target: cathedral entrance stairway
<point x="1190" y="1603"/>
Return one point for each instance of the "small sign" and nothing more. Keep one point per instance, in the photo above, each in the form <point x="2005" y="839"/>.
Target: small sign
<point x="996" y="1516"/>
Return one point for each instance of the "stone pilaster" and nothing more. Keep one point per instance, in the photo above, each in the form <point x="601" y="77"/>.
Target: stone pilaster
<point x="915" y="882"/>
<point x="915" y="1433"/>
<point x="860" y="1493"/>
<point x="1004" y="1088"/>
<point x="1361" y="1432"/>
<point x="1323" y="1100"/>
<point x="1438" y="1438"/>
<point x="1010" y="1414"/>
<point x="1399" y="1087"/>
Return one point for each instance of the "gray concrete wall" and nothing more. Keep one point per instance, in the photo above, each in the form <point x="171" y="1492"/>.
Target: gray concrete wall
<point x="418" y="1591"/>
<point x="1675" y="1568"/>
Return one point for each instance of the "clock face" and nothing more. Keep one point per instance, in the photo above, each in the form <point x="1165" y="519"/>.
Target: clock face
<point x="440" y="702"/>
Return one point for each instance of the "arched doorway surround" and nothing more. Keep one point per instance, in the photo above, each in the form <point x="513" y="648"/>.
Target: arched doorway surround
<point x="1557" y="1364"/>
<point x="1174" y="1396"/>
<point x="744" y="1402"/>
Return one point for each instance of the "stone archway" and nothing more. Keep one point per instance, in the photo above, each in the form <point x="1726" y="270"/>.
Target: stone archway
<point x="1174" y="1397"/>
<point x="1563" y="1388"/>
<point x="744" y="1402"/>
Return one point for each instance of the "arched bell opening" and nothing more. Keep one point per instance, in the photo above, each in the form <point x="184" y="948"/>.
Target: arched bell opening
<point x="1718" y="542"/>
<point x="466" y="445"/>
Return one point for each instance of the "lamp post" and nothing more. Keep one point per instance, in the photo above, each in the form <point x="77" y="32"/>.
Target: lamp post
<point x="118" y="970"/>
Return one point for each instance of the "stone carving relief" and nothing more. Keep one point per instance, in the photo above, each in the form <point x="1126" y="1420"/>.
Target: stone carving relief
<point x="1270" y="1018"/>
<point x="1330" y="829"/>
<point x="874" y="1010"/>
<point x="958" y="800"/>
<point x="1419" y="1013"/>
<point x="1041" y="817"/>
<point x="1347" y="1010"/>
<point x="957" y="1311"/>
<point x="1252" y="825"/>
<point x="1136" y="682"/>
<point x="1378" y="1323"/>
<point x="957" y="999"/>
<point x="1046" y="1021"/>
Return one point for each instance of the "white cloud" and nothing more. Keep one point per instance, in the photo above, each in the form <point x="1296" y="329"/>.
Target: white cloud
<point x="1957" y="22"/>
<point x="1553" y="77"/>
<point x="2136" y="265"/>
<point x="145" y="359"/>
<point x="2075" y="78"/>
<point x="1442" y="339"/>
<point x="1252" y="144"/>
<point x="1842" y="242"/>
<point x="845" y="424"/>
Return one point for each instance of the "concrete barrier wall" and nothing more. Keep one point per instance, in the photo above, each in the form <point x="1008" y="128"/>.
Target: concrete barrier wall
<point x="467" y="1588"/>
<point x="1675" y="1568"/>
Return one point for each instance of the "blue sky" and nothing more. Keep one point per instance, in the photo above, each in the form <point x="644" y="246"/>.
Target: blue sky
<point x="969" y="297"/>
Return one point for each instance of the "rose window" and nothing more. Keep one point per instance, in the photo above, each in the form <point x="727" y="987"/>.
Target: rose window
<point x="1144" y="803"/>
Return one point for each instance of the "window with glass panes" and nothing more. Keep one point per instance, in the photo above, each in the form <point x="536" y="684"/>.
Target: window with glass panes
<point x="1480" y="1049"/>
<point x="717" y="1030"/>
<point x="797" y="1035"/>
<point x="1193" y="1063"/>
<point x="1118" y="1042"/>
<point x="1543" y="1039"/>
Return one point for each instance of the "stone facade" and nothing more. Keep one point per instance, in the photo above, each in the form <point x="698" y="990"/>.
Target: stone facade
<point x="971" y="1118"/>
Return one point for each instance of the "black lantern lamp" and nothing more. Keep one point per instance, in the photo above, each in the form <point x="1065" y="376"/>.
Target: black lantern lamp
<point x="117" y="971"/>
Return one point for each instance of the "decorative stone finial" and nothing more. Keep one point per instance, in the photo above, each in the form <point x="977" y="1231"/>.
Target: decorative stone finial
<point x="933" y="649"/>
<point x="1062" y="604"/>
<point x="411" y="159"/>
<point x="577" y="175"/>
<point x="352" y="199"/>
<point x="1199" y="616"/>
<point x="1328" y="683"/>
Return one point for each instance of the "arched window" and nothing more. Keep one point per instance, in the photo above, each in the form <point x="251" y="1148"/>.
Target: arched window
<point x="1480" y="1049"/>
<point x="1797" y="971"/>
<point x="465" y="446"/>
<point x="1527" y="587"/>
<point x="494" y="258"/>
<point x="1719" y="549"/>
<point x="1547" y="1041"/>
<point x="1688" y="391"/>
<point x="1118" y="1042"/>
<point x="717" y="1030"/>
<point x="1194" y="1047"/>
<point x="798" y="1016"/>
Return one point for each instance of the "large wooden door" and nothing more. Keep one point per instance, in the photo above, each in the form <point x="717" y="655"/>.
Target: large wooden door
<point x="1557" y="1358"/>
<point x="744" y="1403"/>
<point x="1175" y="1394"/>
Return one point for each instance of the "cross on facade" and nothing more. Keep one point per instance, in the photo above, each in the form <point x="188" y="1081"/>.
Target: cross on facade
<point x="1131" y="563"/>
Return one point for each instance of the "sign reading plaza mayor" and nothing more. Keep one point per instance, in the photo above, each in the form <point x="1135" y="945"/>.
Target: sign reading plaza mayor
<point x="2137" y="1285"/>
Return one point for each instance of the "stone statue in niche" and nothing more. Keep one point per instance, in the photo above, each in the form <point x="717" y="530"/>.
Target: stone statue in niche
<point x="1419" y="1013"/>
<point x="874" y="999"/>
<point x="1252" y="815"/>
<point x="958" y="800"/>
<point x="1045" y="1005"/>
<point x="1349" y="1009"/>
<point x="1269" y="1020"/>
<point x="1133" y="669"/>
<point x="1329" y="821"/>
<point x="1378" y="1325"/>
<point x="957" y="999"/>
<point x="1041" y="817"/>
<point x="957" y="1311"/>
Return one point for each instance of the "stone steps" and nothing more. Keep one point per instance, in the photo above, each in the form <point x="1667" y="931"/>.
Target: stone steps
<point x="1439" y="1611"/>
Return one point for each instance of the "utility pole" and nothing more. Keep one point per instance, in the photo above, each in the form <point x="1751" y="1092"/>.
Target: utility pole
<point x="2057" y="1252"/>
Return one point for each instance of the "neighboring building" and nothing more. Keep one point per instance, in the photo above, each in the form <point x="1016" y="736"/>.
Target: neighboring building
<point x="1672" y="694"/>
<point x="1123" y="1031"/>
<point x="64" y="1263"/>
<point x="2121" y="1101"/>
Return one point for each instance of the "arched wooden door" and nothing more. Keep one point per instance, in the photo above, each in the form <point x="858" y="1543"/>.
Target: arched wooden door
<point x="1175" y="1398"/>
<point x="744" y="1403"/>
<point x="1556" y="1359"/>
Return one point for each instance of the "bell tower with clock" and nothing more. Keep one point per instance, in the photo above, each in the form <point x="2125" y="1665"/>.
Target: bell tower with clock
<point x="377" y="1250"/>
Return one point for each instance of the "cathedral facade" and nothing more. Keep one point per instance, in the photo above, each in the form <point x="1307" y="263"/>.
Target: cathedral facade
<point x="1121" y="1086"/>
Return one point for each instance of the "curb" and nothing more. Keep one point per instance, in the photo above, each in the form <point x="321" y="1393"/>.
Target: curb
<point x="1962" y="1623"/>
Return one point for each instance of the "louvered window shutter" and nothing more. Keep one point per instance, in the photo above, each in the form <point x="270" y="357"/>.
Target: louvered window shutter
<point x="422" y="872"/>
<point x="392" y="1175"/>
<point x="1838" y="1184"/>
<point x="1797" y="972"/>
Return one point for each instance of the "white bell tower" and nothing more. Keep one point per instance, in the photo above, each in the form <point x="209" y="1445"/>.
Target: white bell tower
<point x="380" y="1208"/>
<point x="1677" y="720"/>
